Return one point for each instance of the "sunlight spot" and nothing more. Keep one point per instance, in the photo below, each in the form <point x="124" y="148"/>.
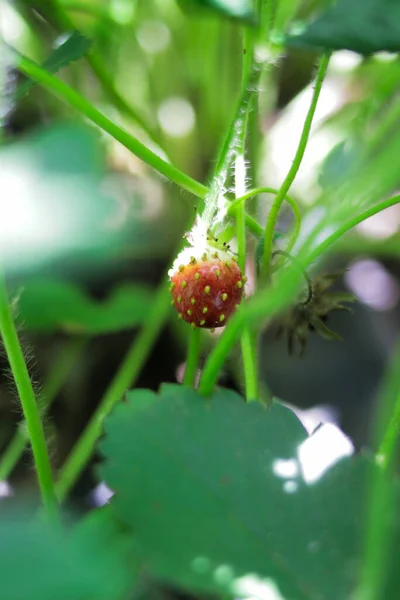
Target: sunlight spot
<point x="344" y="61"/>
<point x="223" y="574"/>
<point x="252" y="586"/>
<point x="6" y="491"/>
<point x="290" y="487"/>
<point x="176" y="117"/>
<point x="101" y="495"/>
<point x="154" y="37"/>
<point x="12" y="26"/>
<point x="285" y="468"/>
<point x="373" y="284"/>
<point x="322" y="450"/>
<point x="201" y="564"/>
<point x="313" y="417"/>
<point x="122" y="11"/>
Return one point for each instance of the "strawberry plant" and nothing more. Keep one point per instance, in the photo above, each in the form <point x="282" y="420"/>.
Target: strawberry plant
<point x="137" y="145"/>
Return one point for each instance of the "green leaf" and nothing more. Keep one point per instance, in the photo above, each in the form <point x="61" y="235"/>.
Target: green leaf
<point x="216" y="496"/>
<point x="48" y="305"/>
<point x="73" y="48"/>
<point x="38" y="562"/>
<point x="237" y="9"/>
<point x="364" y="26"/>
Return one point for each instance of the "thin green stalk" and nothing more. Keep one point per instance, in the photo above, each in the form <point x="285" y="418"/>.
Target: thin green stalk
<point x="378" y="528"/>
<point x="269" y="190"/>
<point x="247" y="342"/>
<point x="192" y="357"/>
<point x="391" y="436"/>
<point x="28" y="402"/>
<point x="108" y="85"/>
<point x="71" y="97"/>
<point x="123" y="379"/>
<point x="269" y="301"/>
<point x="249" y="357"/>
<point x="55" y="380"/>
<point x="366" y="214"/>
<point x="78" y="102"/>
<point x="279" y="198"/>
<point x="57" y="15"/>
<point x="230" y="148"/>
<point x="389" y="427"/>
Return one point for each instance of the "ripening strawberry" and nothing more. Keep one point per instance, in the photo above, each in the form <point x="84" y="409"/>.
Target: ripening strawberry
<point x="206" y="290"/>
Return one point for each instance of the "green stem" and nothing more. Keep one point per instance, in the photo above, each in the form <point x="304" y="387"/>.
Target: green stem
<point x="268" y="302"/>
<point x="75" y="100"/>
<point x="28" y="402"/>
<point x="389" y="405"/>
<point x="119" y="102"/>
<point x="391" y="436"/>
<point x="247" y="342"/>
<point x="366" y="214"/>
<point x="269" y="190"/>
<point x="279" y="198"/>
<point x="249" y="357"/>
<point x="57" y="15"/>
<point x="192" y="357"/>
<point x="56" y="378"/>
<point x="78" y="102"/>
<point x="124" y="378"/>
<point x="381" y="499"/>
<point x="232" y="144"/>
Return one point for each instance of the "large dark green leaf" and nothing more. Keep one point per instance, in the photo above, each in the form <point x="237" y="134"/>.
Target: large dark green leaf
<point x="238" y="9"/>
<point x="39" y="562"/>
<point x="74" y="47"/>
<point x="216" y="495"/>
<point x="47" y="305"/>
<point x="365" y="26"/>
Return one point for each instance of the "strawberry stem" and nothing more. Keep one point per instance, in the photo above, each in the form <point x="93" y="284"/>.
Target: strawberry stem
<point x="192" y="357"/>
<point x="290" y="177"/>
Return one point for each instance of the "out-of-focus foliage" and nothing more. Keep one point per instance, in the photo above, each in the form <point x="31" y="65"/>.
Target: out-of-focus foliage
<point x="365" y="26"/>
<point x="39" y="561"/>
<point x="55" y="305"/>
<point x="73" y="48"/>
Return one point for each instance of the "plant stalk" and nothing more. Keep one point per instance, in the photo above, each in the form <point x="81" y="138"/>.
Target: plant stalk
<point x="55" y="380"/>
<point x="123" y="379"/>
<point x="192" y="357"/>
<point x="28" y="402"/>
<point x="290" y="177"/>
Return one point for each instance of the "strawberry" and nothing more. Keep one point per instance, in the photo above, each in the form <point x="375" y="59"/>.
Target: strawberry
<point x="206" y="290"/>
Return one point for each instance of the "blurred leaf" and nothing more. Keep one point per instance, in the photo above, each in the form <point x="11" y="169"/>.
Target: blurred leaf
<point x="37" y="562"/>
<point x="364" y="26"/>
<point x="338" y="164"/>
<point x="54" y="203"/>
<point x="73" y="48"/>
<point x="238" y="9"/>
<point x="219" y="502"/>
<point x="48" y="305"/>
